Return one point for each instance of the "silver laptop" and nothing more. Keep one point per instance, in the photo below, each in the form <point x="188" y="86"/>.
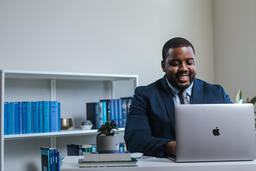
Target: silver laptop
<point x="215" y="132"/>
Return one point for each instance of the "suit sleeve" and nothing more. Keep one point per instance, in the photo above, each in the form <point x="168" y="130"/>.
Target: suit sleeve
<point x="226" y="97"/>
<point x="138" y="136"/>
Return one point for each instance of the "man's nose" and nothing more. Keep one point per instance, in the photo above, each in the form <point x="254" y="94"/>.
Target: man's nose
<point x="183" y="66"/>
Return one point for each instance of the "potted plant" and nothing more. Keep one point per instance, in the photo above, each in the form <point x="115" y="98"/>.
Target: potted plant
<point x="105" y="140"/>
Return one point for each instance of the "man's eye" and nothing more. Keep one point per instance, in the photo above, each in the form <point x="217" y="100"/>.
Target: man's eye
<point x="174" y="63"/>
<point x="190" y="61"/>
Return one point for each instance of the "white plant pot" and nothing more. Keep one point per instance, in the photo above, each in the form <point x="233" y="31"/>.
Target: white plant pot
<point x="106" y="144"/>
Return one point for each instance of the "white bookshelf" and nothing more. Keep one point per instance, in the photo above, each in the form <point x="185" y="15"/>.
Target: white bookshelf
<point x="75" y="131"/>
<point x="73" y="90"/>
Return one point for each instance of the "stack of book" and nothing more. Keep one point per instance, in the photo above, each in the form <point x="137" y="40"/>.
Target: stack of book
<point x="107" y="110"/>
<point x="50" y="159"/>
<point x="107" y="160"/>
<point x="31" y="117"/>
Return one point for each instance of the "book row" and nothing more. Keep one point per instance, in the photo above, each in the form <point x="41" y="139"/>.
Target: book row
<point x="107" y="110"/>
<point x="50" y="159"/>
<point x="79" y="150"/>
<point x="31" y="117"/>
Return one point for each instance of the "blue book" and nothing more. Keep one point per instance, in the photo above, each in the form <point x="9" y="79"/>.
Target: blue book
<point x="24" y="117"/>
<point x="16" y="118"/>
<point x="124" y="111"/>
<point x="59" y="160"/>
<point x="20" y="117"/>
<point x="35" y="117"/>
<point x="59" y="117"/>
<point x="112" y="110"/>
<point x="91" y="109"/>
<point x="46" y="116"/>
<point x="104" y="112"/>
<point x="99" y="115"/>
<point x="53" y="116"/>
<point x="116" y="111"/>
<point x="5" y="118"/>
<point x="128" y="104"/>
<point x="120" y="117"/>
<point x="40" y="116"/>
<point x="52" y="159"/>
<point x="29" y="117"/>
<point x="11" y="115"/>
<point x="45" y="158"/>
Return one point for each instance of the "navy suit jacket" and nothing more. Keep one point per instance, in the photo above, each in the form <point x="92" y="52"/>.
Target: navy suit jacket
<point x="150" y="122"/>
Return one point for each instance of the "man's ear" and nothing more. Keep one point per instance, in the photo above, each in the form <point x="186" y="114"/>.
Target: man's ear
<point x="163" y="65"/>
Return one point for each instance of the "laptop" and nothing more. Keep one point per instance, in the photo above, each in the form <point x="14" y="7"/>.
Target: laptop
<point x="215" y="132"/>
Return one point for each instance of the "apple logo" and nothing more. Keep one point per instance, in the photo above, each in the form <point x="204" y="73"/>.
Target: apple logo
<point x="216" y="131"/>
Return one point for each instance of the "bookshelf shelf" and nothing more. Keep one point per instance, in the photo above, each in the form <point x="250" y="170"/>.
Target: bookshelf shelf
<point x="73" y="91"/>
<point x="72" y="132"/>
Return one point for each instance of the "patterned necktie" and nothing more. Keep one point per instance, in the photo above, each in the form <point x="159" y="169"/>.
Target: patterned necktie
<point x="180" y="94"/>
<point x="183" y="97"/>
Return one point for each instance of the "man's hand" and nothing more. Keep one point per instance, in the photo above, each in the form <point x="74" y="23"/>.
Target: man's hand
<point x="170" y="148"/>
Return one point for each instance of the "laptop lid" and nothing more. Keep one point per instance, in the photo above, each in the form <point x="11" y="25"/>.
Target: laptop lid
<point x="215" y="132"/>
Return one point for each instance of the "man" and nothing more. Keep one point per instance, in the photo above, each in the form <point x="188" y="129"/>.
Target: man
<point x="150" y="123"/>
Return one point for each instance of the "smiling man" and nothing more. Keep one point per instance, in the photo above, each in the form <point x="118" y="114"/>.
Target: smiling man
<point x="150" y="123"/>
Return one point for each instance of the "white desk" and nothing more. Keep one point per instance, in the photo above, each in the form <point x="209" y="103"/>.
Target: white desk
<point x="70" y="163"/>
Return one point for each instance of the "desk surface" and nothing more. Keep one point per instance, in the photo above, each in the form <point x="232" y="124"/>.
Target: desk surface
<point x="70" y="163"/>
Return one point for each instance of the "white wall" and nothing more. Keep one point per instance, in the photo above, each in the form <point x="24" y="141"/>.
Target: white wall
<point x="102" y="36"/>
<point x="235" y="46"/>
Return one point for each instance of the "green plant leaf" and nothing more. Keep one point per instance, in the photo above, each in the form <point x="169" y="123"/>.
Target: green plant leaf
<point x="247" y="100"/>
<point x="253" y="100"/>
<point x="238" y="96"/>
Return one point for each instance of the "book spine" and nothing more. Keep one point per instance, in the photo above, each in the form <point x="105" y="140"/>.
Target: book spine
<point x="40" y="116"/>
<point x="16" y="118"/>
<point x="5" y="118"/>
<point x="35" y="117"/>
<point x="112" y="110"/>
<point x="29" y="117"/>
<point x="53" y="116"/>
<point x="46" y="116"/>
<point x="52" y="159"/>
<point x="11" y="118"/>
<point x="91" y="113"/>
<point x="124" y="112"/>
<point x="129" y="102"/>
<point x="59" y="160"/>
<point x="45" y="159"/>
<point x="120" y="117"/>
<point x="108" y="110"/>
<point x="97" y="115"/>
<point x="104" y="111"/>
<point x="100" y="115"/>
<point x="116" y="111"/>
<point x="59" y="116"/>
<point x="24" y="117"/>
<point x="20" y="117"/>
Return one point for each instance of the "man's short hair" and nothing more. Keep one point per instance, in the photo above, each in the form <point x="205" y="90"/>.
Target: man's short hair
<point x="175" y="42"/>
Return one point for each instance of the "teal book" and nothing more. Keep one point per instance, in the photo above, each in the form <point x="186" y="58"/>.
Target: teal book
<point x="29" y="117"/>
<point x="24" y="117"/>
<point x="11" y="115"/>
<point x="59" y="117"/>
<point x="16" y="118"/>
<point x="45" y="158"/>
<point x="53" y="114"/>
<point x="5" y="118"/>
<point x="40" y="116"/>
<point x="35" y="117"/>
<point x="119" y="111"/>
<point x="46" y="116"/>
<point x="20" y="117"/>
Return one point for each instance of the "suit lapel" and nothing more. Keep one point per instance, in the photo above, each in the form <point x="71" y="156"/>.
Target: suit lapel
<point x="168" y="101"/>
<point x="197" y="92"/>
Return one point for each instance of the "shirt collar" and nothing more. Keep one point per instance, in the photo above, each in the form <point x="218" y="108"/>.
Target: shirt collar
<point x="175" y="90"/>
